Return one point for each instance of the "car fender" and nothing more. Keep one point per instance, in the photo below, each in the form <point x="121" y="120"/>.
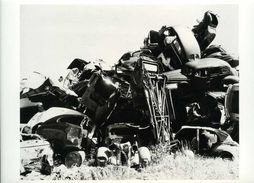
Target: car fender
<point x="226" y="150"/>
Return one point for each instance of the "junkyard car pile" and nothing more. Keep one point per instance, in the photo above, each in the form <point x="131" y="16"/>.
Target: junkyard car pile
<point x="176" y="90"/>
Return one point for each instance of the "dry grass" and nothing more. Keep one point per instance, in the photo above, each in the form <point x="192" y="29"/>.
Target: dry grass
<point x="163" y="166"/>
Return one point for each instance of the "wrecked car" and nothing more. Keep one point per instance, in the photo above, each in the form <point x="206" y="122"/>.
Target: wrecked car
<point x="205" y="30"/>
<point x="36" y="154"/>
<point x="174" y="46"/>
<point x="207" y="73"/>
<point x="122" y="147"/>
<point x="48" y="92"/>
<point x="66" y="130"/>
<point x="80" y="73"/>
<point x="134" y="95"/>
<point x="208" y="141"/>
<point x="216" y="51"/>
<point x="232" y="112"/>
<point x="198" y="92"/>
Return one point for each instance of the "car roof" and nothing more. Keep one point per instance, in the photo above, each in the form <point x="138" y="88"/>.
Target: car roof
<point x="58" y="111"/>
<point x="188" y="40"/>
<point x="207" y="63"/>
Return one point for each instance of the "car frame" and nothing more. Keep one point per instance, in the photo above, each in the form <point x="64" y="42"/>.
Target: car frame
<point x="222" y="144"/>
<point x="122" y="146"/>
<point x="66" y="130"/>
<point x="207" y="73"/>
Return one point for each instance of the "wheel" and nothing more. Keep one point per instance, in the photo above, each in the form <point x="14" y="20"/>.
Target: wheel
<point x="74" y="158"/>
<point x="102" y="156"/>
<point x="145" y="156"/>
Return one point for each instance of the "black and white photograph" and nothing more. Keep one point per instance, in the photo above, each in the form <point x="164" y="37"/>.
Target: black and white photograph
<point x="128" y="92"/>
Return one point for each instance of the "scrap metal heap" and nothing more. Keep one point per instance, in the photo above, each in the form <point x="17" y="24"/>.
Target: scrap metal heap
<point x="112" y="116"/>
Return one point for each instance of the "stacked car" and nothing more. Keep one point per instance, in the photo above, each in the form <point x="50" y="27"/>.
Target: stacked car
<point x="174" y="90"/>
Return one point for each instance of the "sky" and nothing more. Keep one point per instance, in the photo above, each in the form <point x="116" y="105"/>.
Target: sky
<point x="53" y="35"/>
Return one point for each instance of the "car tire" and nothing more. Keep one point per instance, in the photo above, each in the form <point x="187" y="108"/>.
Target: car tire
<point x="145" y="156"/>
<point x="74" y="158"/>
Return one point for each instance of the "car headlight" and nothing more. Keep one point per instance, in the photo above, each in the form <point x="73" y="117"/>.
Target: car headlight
<point x="73" y="135"/>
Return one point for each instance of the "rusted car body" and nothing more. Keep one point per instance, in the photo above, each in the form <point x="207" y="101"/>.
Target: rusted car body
<point x="48" y="92"/>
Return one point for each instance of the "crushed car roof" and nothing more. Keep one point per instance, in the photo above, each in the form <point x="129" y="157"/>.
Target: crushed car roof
<point x="207" y="63"/>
